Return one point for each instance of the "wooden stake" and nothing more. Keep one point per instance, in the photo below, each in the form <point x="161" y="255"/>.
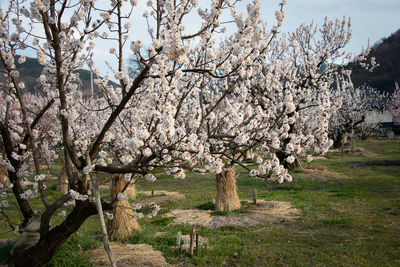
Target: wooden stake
<point x="178" y="238"/>
<point x="96" y="192"/>
<point x="254" y="192"/>
<point x="197" y="243"/>
<point x="192" y="240"/>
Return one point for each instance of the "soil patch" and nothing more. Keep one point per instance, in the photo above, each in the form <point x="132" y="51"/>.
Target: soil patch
<point x="264" y="211"/>
<point x="374" y="163"/>
<point x="130" y="255"/>
<point x="317" y="172"/>
<point x="320" y="158"/>
<point x="160" y="197"/>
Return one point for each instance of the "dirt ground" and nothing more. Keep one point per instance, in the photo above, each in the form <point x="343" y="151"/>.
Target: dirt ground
<point x="160" y="197"/>
<point x="317" y="172"/>
<point x="264" y="211"/>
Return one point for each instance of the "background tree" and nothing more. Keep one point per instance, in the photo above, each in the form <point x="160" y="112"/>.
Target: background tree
<point x="394" y="105"/>
<point x="286" y="103"/>
<point x="354" y="117"/>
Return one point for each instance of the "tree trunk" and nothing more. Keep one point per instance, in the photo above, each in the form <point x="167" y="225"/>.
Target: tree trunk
<point x="339" y="140"/>
<point x="62" y="186"/>
<point x="294" y="165"/>
<point x="289" y="166"/>
<point x="4" y="176"/>
<point x="227" y="198"/>
<point x="123" y="224"/>
<point x="48" y="244"/>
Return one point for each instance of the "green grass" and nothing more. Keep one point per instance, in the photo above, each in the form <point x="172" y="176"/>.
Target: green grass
<point x="348" y="221"/>
<point x="73" y="252"/>
<point x="5" y="250"/>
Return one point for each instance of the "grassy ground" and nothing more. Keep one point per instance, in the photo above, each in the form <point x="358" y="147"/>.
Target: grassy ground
<point x="349" y="221"/>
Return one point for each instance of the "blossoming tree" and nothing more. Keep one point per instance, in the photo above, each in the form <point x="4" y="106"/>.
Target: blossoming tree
<point x="156" y="118"/>
<point x="304" y="62"/>
<point x="199" y="99"/>
<point x="394" y="105"/>
<point x="359" y="113"/>
<point x="284" y="94"/>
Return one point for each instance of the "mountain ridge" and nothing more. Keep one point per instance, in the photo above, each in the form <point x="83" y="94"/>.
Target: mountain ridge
<point x="384" y="76"/>
<point x="30" y="71"/>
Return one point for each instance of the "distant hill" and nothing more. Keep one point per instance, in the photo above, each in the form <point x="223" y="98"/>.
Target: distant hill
<point x="31" y="70"/>
<point x="387" y="55"/>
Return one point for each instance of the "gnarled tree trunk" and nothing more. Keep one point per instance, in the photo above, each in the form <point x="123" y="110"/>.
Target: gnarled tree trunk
<point x="123" y="224"/>
<point x="48" y="244"/>
<point x="227" y="198"/>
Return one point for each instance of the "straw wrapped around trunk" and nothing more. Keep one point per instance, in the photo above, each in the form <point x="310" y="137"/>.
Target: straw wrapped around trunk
<point x="227" y="198"/>
<point x="123" y="224"/>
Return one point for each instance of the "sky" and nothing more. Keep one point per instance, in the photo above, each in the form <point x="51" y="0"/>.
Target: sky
<point x="371" y="19"/>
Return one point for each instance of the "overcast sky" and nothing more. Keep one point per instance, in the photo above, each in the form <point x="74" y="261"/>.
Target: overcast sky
<point x="374" y="19"/>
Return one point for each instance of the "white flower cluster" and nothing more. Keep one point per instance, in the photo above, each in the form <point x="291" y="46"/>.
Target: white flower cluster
<point x="28" y="194"/>
<point x="4" y="204"/>
<point x="121" y="196"/>
<point x="76" y="196"/>
<point x="40" y="177"/>
<point x="156" y="209"/>
<point x="150" y="177"/>
<point x="394" y="105"/>
<point x="88" y="169"/>
<point x="62" y="213"/>
<point x="109" y="215"/>
<point x="177" y="173"/>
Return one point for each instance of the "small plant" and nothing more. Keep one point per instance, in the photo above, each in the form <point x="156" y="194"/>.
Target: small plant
<point x="206" y="206"/>
<point x="221" y="213"/>
<point x="162" y="221"/>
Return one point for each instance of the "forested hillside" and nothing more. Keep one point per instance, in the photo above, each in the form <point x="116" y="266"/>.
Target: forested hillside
<point x="31" y="70"/>
<point x="387" y="55"/>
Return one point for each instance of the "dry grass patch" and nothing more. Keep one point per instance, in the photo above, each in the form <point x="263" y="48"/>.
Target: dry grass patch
<point x="317" y="172"/>
<point x="130" y="255"/>
<point x="160" y="197"/>
<point x="264" y="211"/>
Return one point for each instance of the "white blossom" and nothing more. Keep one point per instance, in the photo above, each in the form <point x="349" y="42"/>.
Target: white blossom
<point x="150" y="177"/>
<point x="62" y="213"/>
<point x="121" y="196"/>
<point x="109" y="215"/>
